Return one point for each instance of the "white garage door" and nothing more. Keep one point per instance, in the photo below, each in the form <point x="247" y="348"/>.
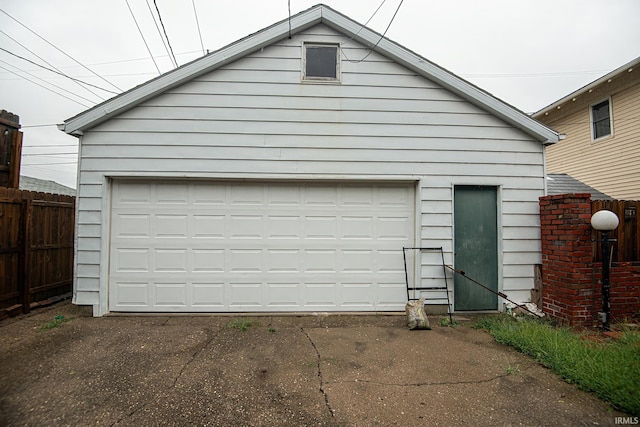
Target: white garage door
<point x="271" y="247"/>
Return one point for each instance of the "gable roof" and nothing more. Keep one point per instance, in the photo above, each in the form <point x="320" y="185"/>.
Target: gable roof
<point x="561" y="183"/>
<point x="626" y="68"/>
<point x="319" y="14"/>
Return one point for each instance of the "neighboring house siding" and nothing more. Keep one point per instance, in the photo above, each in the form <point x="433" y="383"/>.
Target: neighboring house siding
<point x="610" y="164"/>
<point x="254" y="119"/>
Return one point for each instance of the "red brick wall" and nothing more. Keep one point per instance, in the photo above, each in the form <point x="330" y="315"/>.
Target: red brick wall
<point x="571" y="280"/>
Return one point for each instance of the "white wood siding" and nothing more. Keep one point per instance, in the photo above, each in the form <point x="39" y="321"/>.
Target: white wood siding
<point x="255" y="119"/>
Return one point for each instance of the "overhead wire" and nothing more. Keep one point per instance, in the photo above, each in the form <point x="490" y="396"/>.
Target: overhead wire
<point x="165" y="32"/>
<point x="142" y="35"/>
<point x="60" y="73"/>
<point x="126" y="60"/>
<point x="195" y="12"/>
<point x="381" y="37"/>
<point x="61" y="51"/>
<point x="45" y="87"/>
<point x="175" y="64"/>
<point x="45" y="61"/>
<point x="46" y="82"/>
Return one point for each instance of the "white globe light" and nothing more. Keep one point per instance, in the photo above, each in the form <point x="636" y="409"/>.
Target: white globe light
<point x="604" y="220"/>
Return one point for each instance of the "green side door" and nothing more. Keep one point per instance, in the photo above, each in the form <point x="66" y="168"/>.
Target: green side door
<point x="475" y="247"/>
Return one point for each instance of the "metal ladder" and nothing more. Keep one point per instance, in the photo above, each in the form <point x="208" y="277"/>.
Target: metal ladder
<point x="415" y="288"/>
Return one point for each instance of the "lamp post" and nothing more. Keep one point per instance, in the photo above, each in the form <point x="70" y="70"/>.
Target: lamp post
<point x="605" y="221"/>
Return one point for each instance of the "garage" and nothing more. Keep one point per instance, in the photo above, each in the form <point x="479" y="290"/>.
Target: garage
<point x="216" y="246"/>
<point x="245" y="182"/>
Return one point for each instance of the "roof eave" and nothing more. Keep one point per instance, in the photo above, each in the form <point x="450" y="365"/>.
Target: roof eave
<point x="127" y="100"/>
<point x="590" y="86"/>
<point x="441" y="76"/>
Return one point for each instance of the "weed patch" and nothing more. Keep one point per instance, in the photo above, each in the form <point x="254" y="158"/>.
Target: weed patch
<point x="241" y="325"/>
<point x="445" y="322"/>
<point x="57" y="321"/>
<point x="609" y="369"/>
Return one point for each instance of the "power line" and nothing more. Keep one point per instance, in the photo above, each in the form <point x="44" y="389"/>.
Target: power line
<point x="142" y="35"/>
<point x="43" y="80"/>
<point x="44" y="87"/>
<point x="45" y="61"/>
<point x="61" y="51"/>
<point x="160" y="33"/>
<point x="165" y="33"/>
<point x="127" y="60"/>
<point x="60" y="73"/>
<point x="381" y="37"/>
<point x="195" y="12"/>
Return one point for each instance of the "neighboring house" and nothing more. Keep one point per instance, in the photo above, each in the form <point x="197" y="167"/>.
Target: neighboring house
<point x="44" y="186"/>
<point x="286" y="172"/>
<point x="561" y="183"/>
<point x="602" y="126"/>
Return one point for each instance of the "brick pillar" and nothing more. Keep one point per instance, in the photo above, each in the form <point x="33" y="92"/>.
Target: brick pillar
<point x="568" y="289"/>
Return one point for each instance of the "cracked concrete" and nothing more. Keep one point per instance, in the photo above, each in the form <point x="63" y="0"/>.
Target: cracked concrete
<point x="284" y="371"/>
<point x="320" y="379"/>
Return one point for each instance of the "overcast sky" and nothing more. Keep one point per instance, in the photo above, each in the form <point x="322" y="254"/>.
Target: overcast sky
<point x="528" y="53"/>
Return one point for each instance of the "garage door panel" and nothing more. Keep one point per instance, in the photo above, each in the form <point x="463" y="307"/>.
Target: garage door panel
<point x="245" y="295"/>
<point x="281" y="295"/>
<point x="358" y="295"/>
<point x="208" y="295"/>
<point x="320" y="227"/>
<point x="132" y="294"/>
<point x="170" y="226"/>
<point x="130" y="260"/>
<point x="171" y="194"/>
<point x="170" y="294"/>
<point x="394" y="228"/>
<point x="208" y="261"/>
<point x="283" y="227"/>
<point x="170" y="260"/>
<point x="245" y="260"/>
<point x="258" y="246"/>
<point x="208" y="226"/>
<point x="132" y="225"/>
<point x="282" y="261"/>
<point x="320" y="295"/>
<point x="244" y="227"/>
<point x="246" y="195"/>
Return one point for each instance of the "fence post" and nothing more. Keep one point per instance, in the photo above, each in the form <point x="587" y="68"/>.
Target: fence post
<point x="25" y="267"/>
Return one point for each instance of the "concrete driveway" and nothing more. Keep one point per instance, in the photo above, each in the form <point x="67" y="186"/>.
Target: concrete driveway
<point x="280" y="371"/>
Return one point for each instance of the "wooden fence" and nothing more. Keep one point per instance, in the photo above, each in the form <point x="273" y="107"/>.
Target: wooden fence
<point x="36" y="248"/>
<point x="626" y="246"/>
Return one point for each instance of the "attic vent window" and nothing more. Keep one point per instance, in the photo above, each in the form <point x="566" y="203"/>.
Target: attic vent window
<point x="321" y="62"/>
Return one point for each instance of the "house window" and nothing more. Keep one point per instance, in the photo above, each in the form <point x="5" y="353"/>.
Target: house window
<point x="321" y="62"/>
<point x="601" y="119"/>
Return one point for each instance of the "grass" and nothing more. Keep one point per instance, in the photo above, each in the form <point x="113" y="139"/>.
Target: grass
<point x="57" y="321"/>
<point x="241" y="325"/>
<point x="445" y="321"/>
<point x="608" y="368"/>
